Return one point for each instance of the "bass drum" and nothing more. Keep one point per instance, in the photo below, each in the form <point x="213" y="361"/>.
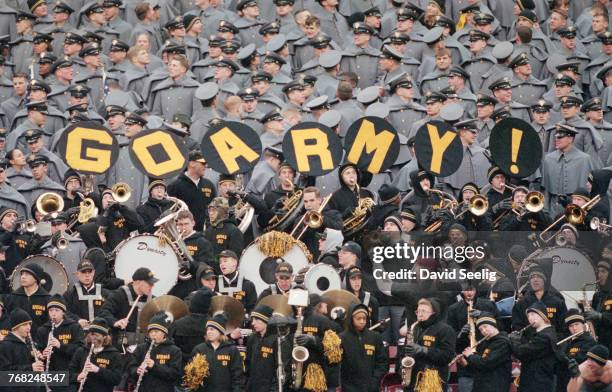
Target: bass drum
<point x="319" y="279"/>
<point x="259" y="260"/>
<point x="147" y="251"/>
<point x="569" y="270"/>
<point x="54" y="279"/>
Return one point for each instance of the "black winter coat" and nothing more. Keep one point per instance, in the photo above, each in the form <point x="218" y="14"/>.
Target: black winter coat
<point x="79" y="309"/>
<point x="197" y="197"/>
<point x="165" y="373"/>
<point x="538" y="361"/>
<point x="554" y="304"/>
<point x="260" y="363"/>
<point x="117" y="307"/>
<point x="16" y="355"/>
<point x="109" y="360"/>
<point x="69" y="333"/>
<point x="150" y="211"/>
<point x="491" y="365"/>
<point x="188" y="332"/>
<point x="225" y="235"/>
<point x="35" y="305"/>
<point x="225" y="366"/>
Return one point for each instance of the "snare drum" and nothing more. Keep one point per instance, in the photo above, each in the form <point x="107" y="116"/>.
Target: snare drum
<point x="54" y="279"/>
<point x="146" y="251"/>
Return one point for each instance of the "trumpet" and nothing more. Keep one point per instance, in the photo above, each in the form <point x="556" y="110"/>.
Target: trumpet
<point x="49" y="203"/>
<point x="574" y="214"/>
<point x="600" y="225"/>
<point x="121" y="192"/>
<point x="448" y="202"/>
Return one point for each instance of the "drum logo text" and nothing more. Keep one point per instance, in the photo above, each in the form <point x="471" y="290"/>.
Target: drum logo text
<point x="145" y="246"/>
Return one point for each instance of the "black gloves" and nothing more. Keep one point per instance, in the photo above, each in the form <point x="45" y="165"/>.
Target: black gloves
<point x="414" y="349"/>
<point x="305" y="340"/>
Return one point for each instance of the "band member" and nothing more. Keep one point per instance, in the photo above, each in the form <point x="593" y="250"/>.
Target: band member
<point x="31" y="296"/>
<point x="187" y="331"/>
<point x="283" y="281"/>
<point x="85" y="298"/>
<point x="9" y="233"/>
<point x="232" y="283"/>
<point x="354" y="279"/>
<point x="261" y="355"/>
<point x="330" y="242"/>
<point x="72" y="184"/>
<point x="498" y="191"/>
<point x="59" y="338"/>
<point x="490" y="362"/>
<point x="423" y="202"/>
<point x="69" y="255"/>
<point x="364" y="358"/>
<point x="224" y="361"/>
<point x="433" y="347"/>
<point x="198" y="246"/>
<point x="155" y="205"/>
<point x="117" y="307"/>
<point x="595" y="372"/>
<point x="5" y="321"/>
<point x="17" y="350"/>
<point x="537" y="353"/>
<point x="539" y="290"/>
<point x="389" y="197"/>
<point x="223" y="233"/>
<point x="157" y="364"/>
<point x="576" y="348"/>
<point x="330" y="219"/>
<point x="601" y="312"/>
<point x="468" y="219"/>
<point x="98" y="367"/>
<point x="285" y="188"/>
<point x="345" y="199"/>
<point x="517" y="218"/>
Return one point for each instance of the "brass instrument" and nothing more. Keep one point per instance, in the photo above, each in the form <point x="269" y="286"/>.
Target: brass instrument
<point x="168" y="232"/>
<point x="478" y="206"/>
<point x="62" y="242"/>
<point x="571" y="337"/>
<point x="299" y="353"/>
<point x="82" y="383"/>
<point x="87" y="210"/>
<point x="49" y="203"/>
<point x="472" y="345"/>
<point x="360" y="215"/>
<point x="600" y="225"/>
<point x="242" y="211"/>
<point x="472" y="323"/>
<point x="448" y="202"/>
<point x="121" y="192"/>
<point x="141" y="375"/>
<point x="25" y="225"/>
<point x="312" y="219"/>
<point x="534" y="202"/>
<point x="587" y="307"/>
<point x="292" y="206"/>
<point x="574" y="215"/>
<point x="408" y="362"/>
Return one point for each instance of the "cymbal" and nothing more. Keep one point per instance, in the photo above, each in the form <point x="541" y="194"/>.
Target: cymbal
<point x="279" y="304"/>
<point x="233" y="309"/>
<point x="340" y="298"/>
<point x="168" y="304"/>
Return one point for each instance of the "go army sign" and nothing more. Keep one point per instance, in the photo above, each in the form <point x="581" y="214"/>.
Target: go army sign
<point x="88" y="147"/>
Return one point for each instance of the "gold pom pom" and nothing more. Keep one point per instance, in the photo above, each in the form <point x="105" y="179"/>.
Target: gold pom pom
<point x="196" y="372"/>
<point x="314" y="379"/>
<point x="332" y="347"/>
<point x="277" y="244"/>
<point x="428" y="381"/>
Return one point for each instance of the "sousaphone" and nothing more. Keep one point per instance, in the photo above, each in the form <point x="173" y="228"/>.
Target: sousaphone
<point x="173" y="306"/>
<point x="231" y="307"/>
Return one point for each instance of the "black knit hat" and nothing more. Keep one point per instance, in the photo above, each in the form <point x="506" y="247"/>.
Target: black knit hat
<point x="486" y="318"/>
<point x="35" y="270"/>
<point x="537" y="270"/>
<point x="156" y="182"/>
<point x="159" y="322"/>
<point x="200" y="302"/>
<point x="388" y="193"/>
<point x="517" y="254"/>
<point x="71" y="174"/>
<point x="540" y="309"/>
<point x="572" y="316"/>
<point x="599" y="354"/>
<point x="395" y="219"/>
<point x="262" y="312"/>
<point x="57" y="301"/>
<point x="19" y="317"/>
<point x="98" y="325"/>
<point x="493" y="171"/>
<point x="218" y="322"/>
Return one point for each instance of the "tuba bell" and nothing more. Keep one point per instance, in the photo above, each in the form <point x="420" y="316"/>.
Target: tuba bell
<point x="49" y="203"/>
<point x="121" y="192"/>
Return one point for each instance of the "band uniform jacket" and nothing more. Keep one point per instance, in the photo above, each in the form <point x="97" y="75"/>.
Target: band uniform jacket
<point x="555" y="308"/>
<point x="261" y="361"/>
<point x="239" y="288"/>
<point x="166" y="371"/>
<point x="574" y="349"/>
<point x="118" y="305"/>
<point x="85" y="303"/>
<point x="225" y="366"/>
<point x="364" y="360"/>
<point x="16" y="355"/>
<point x="188" y="331"/>
<point x="225" y="235"/>
<point x="602" y="302"/>
<point x="197" y="197"/>
<point x="109" y="360"/>
<point x="538" y="361"/>
<point x="35" y="305"/>
<point x="491" y="365"/>
<point x="150" y="212"/>
<point x="70" y="335"/>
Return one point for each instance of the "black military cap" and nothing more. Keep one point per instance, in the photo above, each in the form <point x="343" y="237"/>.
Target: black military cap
<point x="500" y="113"/>
<point x="467" y="125"/>
<point x="570" y="100"/>
<point x="284" y="269"/>
<point x="293" y="85"/>
<point x="542" y="106"/>
<point x="477" y="35"/>
<point x="565" y="130"/>
<point x="398" y="38"/>
<point x="272" y="115"/>
<point x="90" y="50"/>
<point x="113" y="110"/>
<point x="41" y="37"/>
<point x="390" y="53"/>
<point x="62" y="62"/>
<point x="434" y="96"/>
<point x="112" y="3"/>
<point x="470" y="9"/>
<point x="272" y="57"/>
<point x="171" y="48"/>
<point x="22" y="15"/>
<point x="567" y="32"/>
<point x="483" y="19"/>
<point x="74" y="38"/>
<point x="228" y="253"/>
<point x="196" y="156"/>
<point x="94" y="8"/>
<point x="372" y="11"/>
<point x="85" y="265"/>
<point x="572" y="66"/>
<point x="77" y="108"/>
<point x="593" y="104"/>
<point x="518" y="60"/>
<point x="227" y="63"/>
<point x="320" y="41"/>
<point x="563" y="80"/>
<point x="35" y="160"/>
<point x="143" y="273"/>
<point x="38" y="106"/>
<point x="279" y="3"/>
<point x="230" y="46"/>
<point x="403" y="81"/>
<point x="46" y="58"/>
<point x="307" y="80"/>
<point x="457" y="70"/>
<point x="32" y="135"/>
<point x="445" y="22"/>
<point x="132" y="118"/>
<point x="318" y="103"/>
<point x="362" y="28"/>
<point x="407" y="13"/>
<point x="215" y="41"/>
<point x="79" y="91"/>
<point x="529" y="16"/>
<point x="449" y="92"/>
<point x="605" y="38"/>
<point x="246" y="3"/>
<point x="61" y="7"/>
<point x="501" y="84"/>
<point x="484" y="100"/>
<point x="259" y="76"/>
<point x="248" y="94"/>
<point x="92" y="37"/>
<point x="175" y="23"/>
<point x="227" y="27"/>
<point x="119" y="46"/>
<point x="270" y="28"/>
<point x="39" y="85"/>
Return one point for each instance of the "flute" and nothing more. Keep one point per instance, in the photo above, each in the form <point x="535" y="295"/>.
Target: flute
<point x="472" y="346"/>
<point x="82" y="384"/>
<point x="385" y="321"/>
<point x="560" y="342"/>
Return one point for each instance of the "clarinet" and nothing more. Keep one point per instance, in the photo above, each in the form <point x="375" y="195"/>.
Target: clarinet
<point x="82" y="384"/>
<point x="48" y="362"/>
<point x="35" y="353"/>
<point x="141" y="375"/>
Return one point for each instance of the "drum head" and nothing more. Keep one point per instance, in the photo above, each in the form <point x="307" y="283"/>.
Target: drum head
<point x="260" y="269"/>
<point x="54" y="279"/>
<point x="146" y="251"/>
<point x="321" y="278"/>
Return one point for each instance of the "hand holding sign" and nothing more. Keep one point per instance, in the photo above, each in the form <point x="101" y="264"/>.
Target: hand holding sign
<point x="438" y="148"/>
<point x="89" y="148"/>
<point x="515" y="147"/>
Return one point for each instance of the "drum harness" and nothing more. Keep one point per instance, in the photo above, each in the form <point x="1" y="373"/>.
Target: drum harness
<point x="139" y="307"/>
<point x="228" y="290"/>
<point x="90" y="298"/>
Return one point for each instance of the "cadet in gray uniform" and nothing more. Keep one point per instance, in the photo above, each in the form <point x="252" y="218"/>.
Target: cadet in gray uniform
<point x="40" y="182"/>
<point x="403" y="111"/>
<point x="360" y="57"/>
<point x="594" y="115"/>
<point x="526" y="89"/>
<point x="249" y="22"/>
<point x="587" y="140"/>
<point x="176" y="93"/>
<point x="328" y="81"/>
<point x="502" y="91"/>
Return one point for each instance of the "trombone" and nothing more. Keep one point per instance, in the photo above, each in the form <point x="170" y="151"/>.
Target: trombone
<point x="312" y="219"/>
<point x="534" y="202"/>
<point x="448" y="202"/>
<point x="121" y="192"/>
<point x="49" y="203"/>
<point x="478" y="206"/>
<point x="574" y="214"/>
<point x="600" y="225"/>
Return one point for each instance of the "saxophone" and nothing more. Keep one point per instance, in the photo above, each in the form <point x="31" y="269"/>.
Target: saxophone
<point x="408" y="362"/>
<point x="299" y="353"/>
<point x="587" y="306"/>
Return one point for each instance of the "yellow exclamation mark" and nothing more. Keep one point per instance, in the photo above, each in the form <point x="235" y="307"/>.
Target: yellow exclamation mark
<point x="517" y="135"/>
